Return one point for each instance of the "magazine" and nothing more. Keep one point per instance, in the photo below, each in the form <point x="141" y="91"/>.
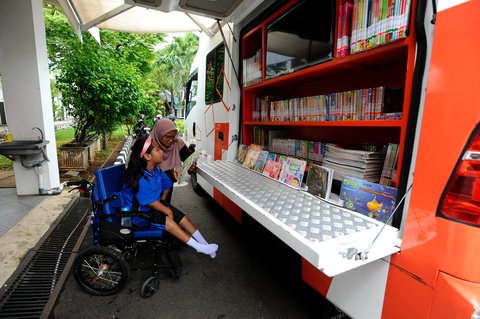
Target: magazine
<point x="319" y="181"/>
<point x="186" y="165"/>
<point x="242" y="152"/>
<point x="370" y="199"/>
<point x="251" y="156"/>
<point x="260" y="161"/>
<point x="292" y="172"/>
<point x="272" y="169"/>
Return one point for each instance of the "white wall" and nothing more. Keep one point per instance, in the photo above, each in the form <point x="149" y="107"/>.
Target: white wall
<point x="26" y="86"/>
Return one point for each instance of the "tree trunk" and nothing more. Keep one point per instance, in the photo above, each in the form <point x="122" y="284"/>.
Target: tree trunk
<point x="105" y="141"/>
<point x="172" y="109"/>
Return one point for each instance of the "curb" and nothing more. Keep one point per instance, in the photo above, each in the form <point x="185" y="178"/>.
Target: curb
<point x="123" y="156"/>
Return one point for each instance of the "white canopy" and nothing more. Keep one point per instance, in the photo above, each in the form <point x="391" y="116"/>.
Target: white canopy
<point x="153" y="16"/>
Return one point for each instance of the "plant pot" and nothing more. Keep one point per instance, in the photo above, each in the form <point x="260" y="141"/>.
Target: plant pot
<point x="74" y="157"/>
<point x="93" y="147"/>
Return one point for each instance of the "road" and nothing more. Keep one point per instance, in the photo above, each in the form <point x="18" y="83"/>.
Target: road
<point x="254" y="275"/>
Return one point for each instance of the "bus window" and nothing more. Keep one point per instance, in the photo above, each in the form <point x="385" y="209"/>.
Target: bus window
<point x="191" y="93"/>
<point x="214" y="81"/>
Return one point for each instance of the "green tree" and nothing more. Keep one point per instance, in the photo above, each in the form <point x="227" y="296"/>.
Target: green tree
<point x="173" y="66"/>
<point x="102" y="86"/>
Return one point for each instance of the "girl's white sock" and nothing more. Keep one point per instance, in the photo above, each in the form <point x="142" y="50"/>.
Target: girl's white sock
<point x="209" y="249"/>
<point x="198" y="237"/>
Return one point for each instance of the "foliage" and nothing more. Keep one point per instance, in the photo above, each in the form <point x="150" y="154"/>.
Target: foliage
<point x="102" y="86"/>
<point x="173" y="63"/>
<point x="180" y="124"/>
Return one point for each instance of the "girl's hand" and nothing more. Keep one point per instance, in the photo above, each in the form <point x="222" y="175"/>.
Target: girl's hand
<point x="169" y="213"/>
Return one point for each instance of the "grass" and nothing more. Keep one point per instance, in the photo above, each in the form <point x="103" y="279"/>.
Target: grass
<point x="62" y="137"/>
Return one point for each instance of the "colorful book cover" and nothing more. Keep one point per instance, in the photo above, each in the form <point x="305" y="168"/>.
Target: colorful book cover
<point x="272" y="169"/>
<point x="319" y="181"/>
<point x="251" y="156"/>
<point x="260" y="161"/>
<point x="292" y="172"/>
<point x="370" y="199"/>
<point x="271" y="156"/>
<point x="242" y="152"/>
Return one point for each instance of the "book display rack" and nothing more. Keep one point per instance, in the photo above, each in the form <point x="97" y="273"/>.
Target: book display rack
<point x="359" y="96"/>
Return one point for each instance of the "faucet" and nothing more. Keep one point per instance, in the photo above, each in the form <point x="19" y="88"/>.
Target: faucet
<point x="37" y="128"/>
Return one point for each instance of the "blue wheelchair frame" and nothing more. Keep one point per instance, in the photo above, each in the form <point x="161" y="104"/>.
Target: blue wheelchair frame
<point x="105" y="268"/>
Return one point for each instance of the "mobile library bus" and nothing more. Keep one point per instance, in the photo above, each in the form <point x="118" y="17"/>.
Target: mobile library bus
<point x="363" y="74"/>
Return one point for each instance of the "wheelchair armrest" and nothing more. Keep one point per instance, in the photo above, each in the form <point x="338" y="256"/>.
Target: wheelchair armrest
<point x="132" y="214"/>
<point x="101" y="202"/>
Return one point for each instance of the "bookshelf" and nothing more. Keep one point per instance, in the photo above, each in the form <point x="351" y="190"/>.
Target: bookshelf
<point x="388" y="65"/>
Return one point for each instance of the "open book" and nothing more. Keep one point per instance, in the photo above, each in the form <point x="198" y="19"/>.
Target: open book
<point x="186" y="165"/>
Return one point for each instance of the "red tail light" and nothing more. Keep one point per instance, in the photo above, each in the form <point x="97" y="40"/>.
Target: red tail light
<point x="461" y="202"/>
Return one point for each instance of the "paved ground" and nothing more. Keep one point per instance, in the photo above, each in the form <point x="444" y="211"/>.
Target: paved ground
<point x="253" y="276"/>
<point x="24" y="220"/>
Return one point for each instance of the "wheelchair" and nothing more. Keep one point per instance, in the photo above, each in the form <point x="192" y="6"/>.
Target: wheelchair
<point x="118" y="245"/>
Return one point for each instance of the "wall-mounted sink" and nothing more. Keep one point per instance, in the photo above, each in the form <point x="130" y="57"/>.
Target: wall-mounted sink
<point x="22" y="147"/>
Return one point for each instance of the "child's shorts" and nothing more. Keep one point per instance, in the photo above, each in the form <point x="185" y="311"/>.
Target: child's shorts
<point x="159" y="217"/>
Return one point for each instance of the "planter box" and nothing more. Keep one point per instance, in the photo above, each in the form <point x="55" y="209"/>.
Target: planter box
<point x="93" y="147"/>
<point x="73" y="157"/>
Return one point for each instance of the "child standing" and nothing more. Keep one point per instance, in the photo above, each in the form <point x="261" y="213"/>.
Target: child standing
<point x="146" y="189"/>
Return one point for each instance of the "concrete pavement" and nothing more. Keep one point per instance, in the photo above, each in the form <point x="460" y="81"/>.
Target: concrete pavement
<point x="253" y="276"/>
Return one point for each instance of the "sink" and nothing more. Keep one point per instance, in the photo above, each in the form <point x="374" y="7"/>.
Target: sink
<point x="22" y="147"/>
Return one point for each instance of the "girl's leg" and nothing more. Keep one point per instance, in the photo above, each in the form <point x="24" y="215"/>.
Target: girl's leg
<point x="187" y="224"/>
<point x="175" y="230"/>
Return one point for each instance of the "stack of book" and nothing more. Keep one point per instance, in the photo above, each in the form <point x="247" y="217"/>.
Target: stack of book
<point x="358" y="163"/>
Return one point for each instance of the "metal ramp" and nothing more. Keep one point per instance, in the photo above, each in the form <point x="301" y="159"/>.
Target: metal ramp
<point x="324" y="234"/>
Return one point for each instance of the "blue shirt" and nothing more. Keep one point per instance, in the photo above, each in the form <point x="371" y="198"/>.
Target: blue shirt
<point x="150" y="187"/>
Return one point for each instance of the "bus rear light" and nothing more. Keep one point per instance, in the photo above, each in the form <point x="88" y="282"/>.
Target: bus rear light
<point x="461" y="201"/>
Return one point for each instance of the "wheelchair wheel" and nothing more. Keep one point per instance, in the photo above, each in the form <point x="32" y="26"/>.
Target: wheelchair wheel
<point x="150" y="287"/>
<point x="101" y="271"/>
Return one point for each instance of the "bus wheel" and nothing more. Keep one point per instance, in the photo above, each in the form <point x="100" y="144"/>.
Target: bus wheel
<point x="196" y="187"/>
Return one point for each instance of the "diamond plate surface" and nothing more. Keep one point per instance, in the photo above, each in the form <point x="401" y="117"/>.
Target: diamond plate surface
<point x="309" y="216"/>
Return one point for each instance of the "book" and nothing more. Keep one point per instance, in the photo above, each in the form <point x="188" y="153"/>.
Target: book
<point x="389" y="167"/>
<point x="186" y="165"/>
<point x="259" y="163"/>
<point x="370" y="199"/>
<point x="251" y="156"/>
<point x="241" y="153"/>
<point x="272" y="169"/>
<point x="292" y="172"/>
<point x="319" y="181"/>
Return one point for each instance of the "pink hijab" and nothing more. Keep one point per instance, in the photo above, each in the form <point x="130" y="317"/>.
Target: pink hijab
<point x="171" y="155"/>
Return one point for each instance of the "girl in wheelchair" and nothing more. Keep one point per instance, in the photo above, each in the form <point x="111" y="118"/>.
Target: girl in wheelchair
<point x="145" y="189"/>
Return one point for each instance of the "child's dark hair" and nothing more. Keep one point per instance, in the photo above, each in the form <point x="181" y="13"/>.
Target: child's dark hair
<point x="136" y="165"/>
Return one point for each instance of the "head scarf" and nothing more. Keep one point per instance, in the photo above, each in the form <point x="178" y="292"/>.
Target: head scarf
<point x="171" y="155"/>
